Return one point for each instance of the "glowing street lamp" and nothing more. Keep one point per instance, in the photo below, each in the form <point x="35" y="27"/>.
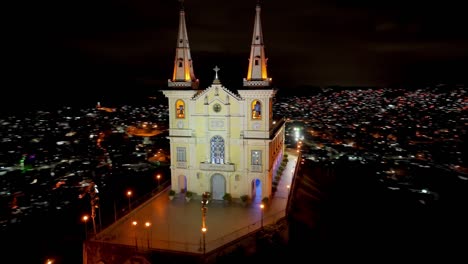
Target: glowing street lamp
<point x="49" y="261"/>
<point x="204" y="202"/>
<point x="204" y="229"/>
<point x="85" y="220"/>
<point x="134" y="224"/>
<point x="159" y="178"/>
<point x="147" y="225"/>
<point x="129" y="195"/>
<point x="262" y="206"/>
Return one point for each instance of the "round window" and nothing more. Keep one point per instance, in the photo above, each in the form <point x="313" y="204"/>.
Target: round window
<point x="217" y="107"/>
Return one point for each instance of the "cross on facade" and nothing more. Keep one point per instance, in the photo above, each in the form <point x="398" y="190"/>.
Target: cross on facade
<point x="216" y="69"/>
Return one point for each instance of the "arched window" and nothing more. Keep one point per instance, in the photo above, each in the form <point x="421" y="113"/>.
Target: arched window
<point x="180" y="109"/>
<point x="217" y="150"/>
<point x="256" y="109"/>
<point x="257" y="60"/>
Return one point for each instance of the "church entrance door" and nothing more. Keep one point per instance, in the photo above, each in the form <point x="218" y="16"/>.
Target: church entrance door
<point x="218" y="186"/>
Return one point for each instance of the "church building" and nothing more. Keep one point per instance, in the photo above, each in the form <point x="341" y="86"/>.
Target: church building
<point x="223" y="142"/>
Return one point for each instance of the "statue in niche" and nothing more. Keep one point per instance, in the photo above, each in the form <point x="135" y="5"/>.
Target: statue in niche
<point x="257" y="110"/>
<point x="180" y="111"/>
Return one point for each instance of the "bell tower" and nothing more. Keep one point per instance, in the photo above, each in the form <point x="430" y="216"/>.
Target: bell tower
<point x="183" y="75"/>
<point x="257" y="72"/>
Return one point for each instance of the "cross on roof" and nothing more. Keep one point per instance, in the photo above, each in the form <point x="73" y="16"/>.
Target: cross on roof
<point x="216" y="69"/>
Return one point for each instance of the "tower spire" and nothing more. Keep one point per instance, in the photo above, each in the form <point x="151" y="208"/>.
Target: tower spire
<point x="257" y="72"/>
<point x="183" y="75"/>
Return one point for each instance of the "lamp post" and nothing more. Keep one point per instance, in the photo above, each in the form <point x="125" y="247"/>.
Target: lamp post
<point x="204" y="202"/>
<point x="85" y="220"/>
<point x="134" y="224"/>
<point x="129" y="195"/>
<point x="93" y="216"/>
<point x="159" y="178"/>
<point x="147" y="225"/>
<point x="94" y="202"/>
<point x="262" y="206"/>
<point x="203" y="236"/>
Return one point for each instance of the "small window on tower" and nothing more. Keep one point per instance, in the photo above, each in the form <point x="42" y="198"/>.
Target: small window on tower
<point x="256" y="62"/>
<point x="180" y="109"/>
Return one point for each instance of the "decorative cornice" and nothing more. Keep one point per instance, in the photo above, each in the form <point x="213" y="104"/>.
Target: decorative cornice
<point x="257" y="83"/>
<point x="248" y="93"/>
<point x="183" y="84"/>
<point x="213" y="86"/>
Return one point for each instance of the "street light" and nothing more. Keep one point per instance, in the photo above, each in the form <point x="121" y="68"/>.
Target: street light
<point x="129" y="195"/>
<point x="262" y="206"/>
<point x="147" y="225"/>
<point x="93" y="215"/>
<point x="203" y="234"/>
<point x="85" y="220"/>
<point x="159" y="178"/>
<point x="94" y="200"/>
<point x="204" y="202"/>
<point x="134" y="224"/>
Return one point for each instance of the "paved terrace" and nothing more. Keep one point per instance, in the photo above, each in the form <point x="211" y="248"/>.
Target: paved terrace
<point x="175" y="225"/>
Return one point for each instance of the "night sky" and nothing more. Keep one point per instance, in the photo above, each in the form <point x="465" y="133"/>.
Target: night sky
<point x="91" y="48"/>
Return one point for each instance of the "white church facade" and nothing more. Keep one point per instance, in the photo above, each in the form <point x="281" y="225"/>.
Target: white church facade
<point x="220" y="141"/>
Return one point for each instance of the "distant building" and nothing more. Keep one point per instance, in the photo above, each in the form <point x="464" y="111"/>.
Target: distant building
<point x="220" y="141"/>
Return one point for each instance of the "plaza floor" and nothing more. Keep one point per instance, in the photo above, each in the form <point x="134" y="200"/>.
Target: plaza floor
<point x="176" y="224"/>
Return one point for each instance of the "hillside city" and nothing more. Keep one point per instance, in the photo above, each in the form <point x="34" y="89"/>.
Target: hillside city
<point x="52" y="161"/>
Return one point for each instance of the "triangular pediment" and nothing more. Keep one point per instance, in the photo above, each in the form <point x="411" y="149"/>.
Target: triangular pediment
<point x="218" y="93"/>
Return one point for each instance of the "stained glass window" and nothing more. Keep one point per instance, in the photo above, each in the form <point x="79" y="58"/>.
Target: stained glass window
<point x="217" y="150"/>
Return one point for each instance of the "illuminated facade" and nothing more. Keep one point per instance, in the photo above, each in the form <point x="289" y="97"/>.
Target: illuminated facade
<point x="223" y="142"/>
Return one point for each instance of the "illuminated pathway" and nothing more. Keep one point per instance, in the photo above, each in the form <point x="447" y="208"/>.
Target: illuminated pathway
<point x="176" y="224"/>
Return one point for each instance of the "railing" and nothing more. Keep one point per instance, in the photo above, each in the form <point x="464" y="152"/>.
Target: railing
<point x="241" y="232"/>
<point x="118" y="214"/>
<point x="293" y="183"/>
